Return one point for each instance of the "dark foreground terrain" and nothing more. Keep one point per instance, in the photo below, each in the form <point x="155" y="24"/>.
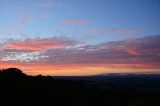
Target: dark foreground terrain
<point x="19" y="89"/>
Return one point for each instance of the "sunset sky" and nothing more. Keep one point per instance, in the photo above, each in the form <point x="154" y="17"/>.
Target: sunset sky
<point x="80" y="37"/>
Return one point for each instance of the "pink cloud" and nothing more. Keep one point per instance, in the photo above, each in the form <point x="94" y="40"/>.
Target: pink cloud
<point x="111" y="30"/>
<point x="25" y="18"/>
<point x="75" y="22"/>
<point x="49" y="4"/>
<point x="39" y="44"/>
<point x="94" y="32"/>
<point x="135" y="53"/>
<point x="97" y="32"/>
<point x="132" y="51"/>
<point x="46" y="15"/>
<point x="46" y="4"/>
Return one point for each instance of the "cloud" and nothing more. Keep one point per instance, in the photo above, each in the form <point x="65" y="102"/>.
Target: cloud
<point x="49" y="4"/>
<point x="75" y="22"/>
<point x="121" y="32"/>
<point x="132" y="51"/>
<point x="46" y="15"/>
<point x="129" y="31"/>
<point x="45" y="4"/>
<point x="139" y="53"/>
<point x="15" y="30"/>
<point x="25" y="18"/>
<point x="23" y="57"/>
<point x="135" y="53"/>
<point x="38" y="44"/>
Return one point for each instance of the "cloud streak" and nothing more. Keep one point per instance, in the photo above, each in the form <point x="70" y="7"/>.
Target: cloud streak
<point x="23" y="57"/>
<point x="39" y="44"/>
<point x="67" y="22"/>
<point x="49" y="4"/>
<point x="111" y="30"/>
<point x="136" y="51"/>
<point x="60" y="53"/>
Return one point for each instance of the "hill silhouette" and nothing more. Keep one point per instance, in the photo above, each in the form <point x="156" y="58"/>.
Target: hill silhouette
<point x="19" y="89"/>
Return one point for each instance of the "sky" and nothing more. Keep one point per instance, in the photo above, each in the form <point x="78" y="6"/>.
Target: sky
<point x="80" y="37"/>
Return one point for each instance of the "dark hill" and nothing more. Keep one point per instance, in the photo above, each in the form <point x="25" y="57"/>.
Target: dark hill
<point x="19" y="89"/>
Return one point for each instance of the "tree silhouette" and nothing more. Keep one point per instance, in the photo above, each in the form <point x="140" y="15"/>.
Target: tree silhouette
<point x="12" y="72"/>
